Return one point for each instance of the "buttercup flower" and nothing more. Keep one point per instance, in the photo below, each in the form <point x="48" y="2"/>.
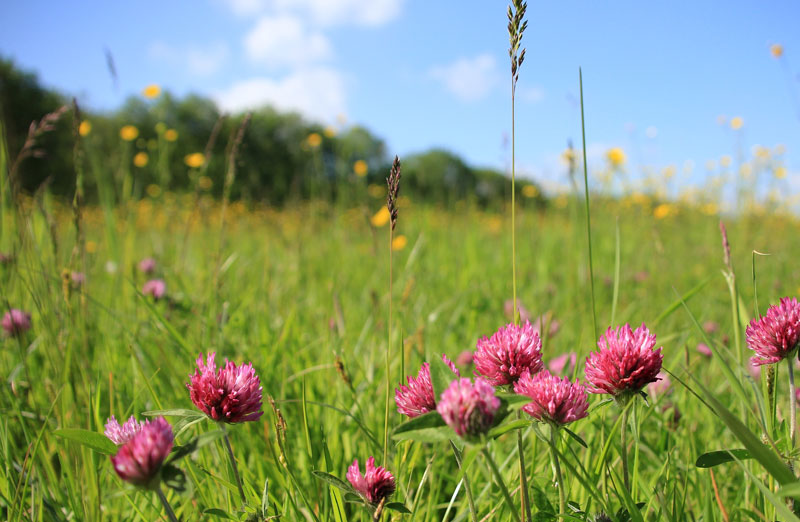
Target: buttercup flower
<point x="231" y="394"/>
<point x="120" y="435"/>
<point x="129" y="133"/>
<point x="375" y="485"/>
<point x="139" y="460"/>
<point x="776" y="335"/>
<point x="504" y="357"/>
<point x="156" y="288"/>
<point x="15" y="322"/>
<point x="417" y="398"/>
<point x="626" y="362"/>
<point x="468" y="408"/>
<point x="553" y="400"/>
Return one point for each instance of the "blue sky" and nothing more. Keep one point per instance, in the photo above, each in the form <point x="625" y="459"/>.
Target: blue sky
<point x="657" y="75"/>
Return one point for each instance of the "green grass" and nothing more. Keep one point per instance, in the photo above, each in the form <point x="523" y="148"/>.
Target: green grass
<point x="301" y="288"/>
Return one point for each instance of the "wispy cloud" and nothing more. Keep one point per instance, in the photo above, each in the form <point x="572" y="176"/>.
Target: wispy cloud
<point x="371" y="13"/>
<point x="469" y="79"/>
<point x="284" y="40"/>
<point x="316" y="92"/>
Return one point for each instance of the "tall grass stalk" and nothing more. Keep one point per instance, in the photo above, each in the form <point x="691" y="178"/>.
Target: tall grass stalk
<point x="393" y="189"/>
<point x="516" y="29"/>
<point x="588" y="215"/>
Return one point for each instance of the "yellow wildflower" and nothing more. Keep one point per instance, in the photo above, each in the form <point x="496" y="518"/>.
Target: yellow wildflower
<point x="737" y="122"/>
<point x="561" y="201"/>
<point x="725" y="162"/>
<point x="329" y="132"/>
<point x="194" y="160"/>
<point x="360" y="168"/>
<point x="91" y="246"/>
<point x="129" y="133"/>
<point x="381" y="217"/>
<point x="780" y="172"/>
<point x="530" y="191"/>
<point x="568" y="156"/>
<point x="668" y="172"/>
<point x="616" y="156"/>
<point x="663" y="210"/>
<point x="171" y="135"/>
<point x="85" y="128"/>
<point x="314" y="140"/>
<point x="776" y="50"/>
<point x="140" y="159"/>
<point x="399" y="242"/>
<point x="151" y="91"/>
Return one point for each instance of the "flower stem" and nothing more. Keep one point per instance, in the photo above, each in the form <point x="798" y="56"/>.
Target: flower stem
<point x="792" y="404"/>
<point x="472" y="511"/>
<point x="499" y="478"/>
<point x="233" y="465"/>
<point x="623" y="433"/>
<point x="523" y="477"/>
<point x="165" y="503"/>
<point x="562" y="498"/>
<point x="388" y="349"/>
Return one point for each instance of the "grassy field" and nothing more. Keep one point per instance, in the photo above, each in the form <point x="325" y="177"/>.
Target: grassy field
<point x="302" y="293"/>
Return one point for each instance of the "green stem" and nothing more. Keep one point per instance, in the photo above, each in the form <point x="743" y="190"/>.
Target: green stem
<point x="523" y="476"/>
<point x="792" y="404"/>
<point x="165" y="503"/>
<point x="499" y="479"/>
<point x="388" y="349"/>
<point x="588" y="216"/>
<point x="513" y="210"/>
<point x="562" y="498"/>
<point x="233" y="465"/>
<point x="472" y="511"/>
<point x="623" y="431"/>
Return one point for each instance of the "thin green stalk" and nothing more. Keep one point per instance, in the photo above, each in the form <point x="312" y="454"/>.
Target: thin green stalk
<point x="792" y="405"/>
<point x="623" y="450"/>
<point x="513" y="211"/>
<point x="388" y="349"/>
<point x="233" y="464"/>
<point x="562" y="498"/>
<point x="472" y="511"/>
<point x="523" y="475"/>
<point x="588" y="215"/>
<point x="499" y="478"/>
<point x="165" y="503"/>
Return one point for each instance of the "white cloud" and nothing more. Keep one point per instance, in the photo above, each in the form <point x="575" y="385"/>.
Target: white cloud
<point x="246" y="7"/>
<point x="469" y="79"/>
<point x="198" y="60"/>
<point x="371" y="13"/>
<point x="283" y="40"/>
<point x="318" y="93"/>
